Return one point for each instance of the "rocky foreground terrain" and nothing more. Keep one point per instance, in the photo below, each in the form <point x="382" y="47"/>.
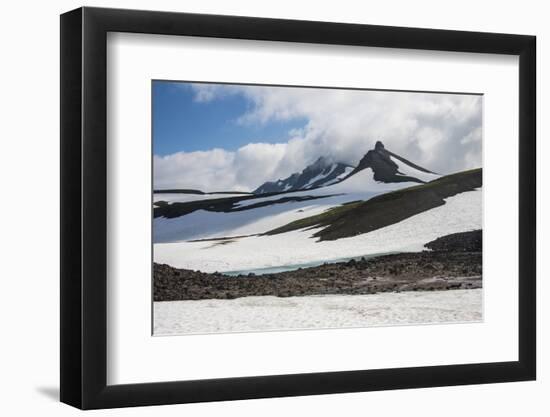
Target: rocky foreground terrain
<point x="455" y="262"/>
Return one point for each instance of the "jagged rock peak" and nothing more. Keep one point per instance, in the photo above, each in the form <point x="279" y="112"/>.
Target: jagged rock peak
<point x="388" y="167"/>
<point x="324" y="171"/>
<point x="378" y="146"/>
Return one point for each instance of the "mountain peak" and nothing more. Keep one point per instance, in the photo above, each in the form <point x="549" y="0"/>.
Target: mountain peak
<point x="321" y="162"/>
<point x="378" y="146"/>
<point x="389" y="167"/>
<point x="324" y="171"/>
<point x="386" y="166"/>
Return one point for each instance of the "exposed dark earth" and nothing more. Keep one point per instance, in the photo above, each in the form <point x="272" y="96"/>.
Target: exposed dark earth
<point x="454" y="263"/>
<point x="462" y="242"/>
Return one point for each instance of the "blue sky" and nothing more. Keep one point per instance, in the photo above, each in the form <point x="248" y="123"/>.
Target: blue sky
<point x="183" y="124"/>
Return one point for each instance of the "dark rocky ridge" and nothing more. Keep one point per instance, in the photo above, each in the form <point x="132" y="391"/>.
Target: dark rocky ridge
<point x="384" y="169"/>
<point x="324" y="167"/>
<point x="423" y="271"/>
<point x="223" y="205"/>
<point x="179" y="191"/>
<point x="378" y="159"/>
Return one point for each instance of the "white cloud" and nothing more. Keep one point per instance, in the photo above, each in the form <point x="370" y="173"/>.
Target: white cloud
<point x="439" y="131"/>
<point x="218" y="169"/>
<point x="201" y="170"/>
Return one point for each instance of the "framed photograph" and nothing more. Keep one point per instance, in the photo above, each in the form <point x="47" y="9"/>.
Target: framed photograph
<point x="257" y="208"/>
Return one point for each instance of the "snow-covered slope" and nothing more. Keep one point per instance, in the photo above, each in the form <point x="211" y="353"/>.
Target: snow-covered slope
<point x="378" y="172"/>
<point x="317" y="312"/>
<point x="406" y="170"/>
<point x="203" y="224"/>
<point x="360" y="186"/>
<point x="460" y="213"/>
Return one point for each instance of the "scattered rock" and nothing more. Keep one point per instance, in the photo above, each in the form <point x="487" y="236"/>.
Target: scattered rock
<point x="435" y="270"/>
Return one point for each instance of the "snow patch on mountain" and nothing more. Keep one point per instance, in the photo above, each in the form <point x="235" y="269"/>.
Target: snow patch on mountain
<point x="203" y="224"/>
<point x="406" y="170"/>
<point x="360" y="186"/>
<point x="322" y="175"/>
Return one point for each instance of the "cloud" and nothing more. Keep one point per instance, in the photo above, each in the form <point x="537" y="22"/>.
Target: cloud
<point x="439" y="131"/>
<point x="200" y="170"/>
<point x="218" y="169"/>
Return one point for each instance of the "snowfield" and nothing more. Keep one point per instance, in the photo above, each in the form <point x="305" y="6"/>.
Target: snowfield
<point x="460" y="213"/>
<point x="316" y="312"/>
<point x="360" y="186"/>
<point x="202" y="224"/>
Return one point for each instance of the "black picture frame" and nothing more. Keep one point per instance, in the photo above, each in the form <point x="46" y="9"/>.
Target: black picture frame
<point x="84" y="207"/>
